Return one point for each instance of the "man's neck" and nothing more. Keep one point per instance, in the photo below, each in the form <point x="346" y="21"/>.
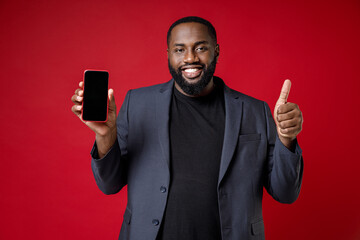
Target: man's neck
<point x="208" y="89"/>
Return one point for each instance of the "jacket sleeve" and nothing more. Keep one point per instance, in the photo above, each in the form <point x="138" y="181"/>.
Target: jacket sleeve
<point x="284" y="167"/>
<point x="110" y="172"/>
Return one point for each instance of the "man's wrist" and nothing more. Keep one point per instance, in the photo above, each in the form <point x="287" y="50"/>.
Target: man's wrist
<point x="104" y="143"/>
<point x="288" y="142"/>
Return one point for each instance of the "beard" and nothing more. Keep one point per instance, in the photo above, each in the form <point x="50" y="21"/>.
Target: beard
<point x="193" y="89"/>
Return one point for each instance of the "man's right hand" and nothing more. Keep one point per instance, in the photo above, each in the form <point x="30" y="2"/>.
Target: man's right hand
<point x="105" y="131"/>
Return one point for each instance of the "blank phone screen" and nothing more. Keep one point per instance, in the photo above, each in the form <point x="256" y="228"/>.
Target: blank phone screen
<point x="95" y="96"/>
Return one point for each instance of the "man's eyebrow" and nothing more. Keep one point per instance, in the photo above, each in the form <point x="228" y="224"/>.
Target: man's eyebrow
<point x="196" y="43"/>
<point x="179" y="45"/>
<point x="201" y="42"/>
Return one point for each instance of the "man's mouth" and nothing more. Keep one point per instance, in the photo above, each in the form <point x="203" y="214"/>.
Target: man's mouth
<point x="191" y="72"/>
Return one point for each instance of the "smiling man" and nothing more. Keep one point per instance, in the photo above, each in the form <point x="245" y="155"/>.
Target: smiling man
<point x="195" y="154"/>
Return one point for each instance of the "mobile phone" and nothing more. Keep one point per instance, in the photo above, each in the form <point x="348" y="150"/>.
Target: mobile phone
<point x="95" y="101"/>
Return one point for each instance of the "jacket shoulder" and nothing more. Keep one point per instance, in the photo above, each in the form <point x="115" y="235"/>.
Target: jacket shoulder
<point x="245" y="98"/>
<point x="153" y="89"/>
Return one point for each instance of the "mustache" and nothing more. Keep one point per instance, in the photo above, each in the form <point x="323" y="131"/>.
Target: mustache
<point x="192" y="64"/>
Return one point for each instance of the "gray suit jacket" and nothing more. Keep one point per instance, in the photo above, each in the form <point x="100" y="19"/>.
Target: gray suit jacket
<point x="252" y="157"/>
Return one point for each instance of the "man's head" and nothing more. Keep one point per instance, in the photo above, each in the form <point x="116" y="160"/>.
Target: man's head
<point x="192" y="54"/>
<point x="193" y="19"/>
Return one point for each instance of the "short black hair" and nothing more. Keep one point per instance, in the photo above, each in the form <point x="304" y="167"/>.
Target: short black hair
<point x="210" y="27"/>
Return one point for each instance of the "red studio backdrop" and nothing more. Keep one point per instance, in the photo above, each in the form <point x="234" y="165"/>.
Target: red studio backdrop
<point x="47" y="187"/>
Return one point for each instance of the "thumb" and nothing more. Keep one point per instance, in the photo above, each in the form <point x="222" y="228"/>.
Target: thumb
<point x="112" y="106"/>
<point x="285" y="90"/>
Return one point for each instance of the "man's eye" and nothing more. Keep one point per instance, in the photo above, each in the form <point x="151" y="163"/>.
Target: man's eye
<point x="201" y="49"/>
<point x="179" y="50"/>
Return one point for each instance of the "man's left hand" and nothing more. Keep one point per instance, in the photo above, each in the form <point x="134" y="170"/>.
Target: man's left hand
<point x="288" y="117"/>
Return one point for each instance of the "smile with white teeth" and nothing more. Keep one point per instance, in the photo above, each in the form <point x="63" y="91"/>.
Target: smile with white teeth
<point x="191" y="70"/>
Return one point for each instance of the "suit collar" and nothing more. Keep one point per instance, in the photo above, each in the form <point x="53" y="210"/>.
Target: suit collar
<point x="168" y="86"/>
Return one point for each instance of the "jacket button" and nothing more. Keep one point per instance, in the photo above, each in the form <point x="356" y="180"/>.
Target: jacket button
<point x="162" y="189"/>
<point x="155" y="222"/>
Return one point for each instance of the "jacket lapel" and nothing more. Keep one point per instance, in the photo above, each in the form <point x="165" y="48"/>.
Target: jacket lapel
<point x="233" y="113"/>
<point x="163" y="101"/>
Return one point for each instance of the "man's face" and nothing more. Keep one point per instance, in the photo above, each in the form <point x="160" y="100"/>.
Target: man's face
<point x="192" y="56"/>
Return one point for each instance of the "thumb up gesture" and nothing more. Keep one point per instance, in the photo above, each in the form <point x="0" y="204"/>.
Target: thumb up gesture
<point x="288" y="117"/>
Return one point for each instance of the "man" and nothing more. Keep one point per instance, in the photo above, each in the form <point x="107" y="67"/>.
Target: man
<point x="194" y="153"/>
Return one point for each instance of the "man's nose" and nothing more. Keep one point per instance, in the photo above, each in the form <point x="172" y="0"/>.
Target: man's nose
<point x="190" y="57"/>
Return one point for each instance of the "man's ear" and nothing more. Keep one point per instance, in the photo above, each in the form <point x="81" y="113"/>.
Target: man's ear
<point x="217" y="52"/>
<point x="167" y="52"/>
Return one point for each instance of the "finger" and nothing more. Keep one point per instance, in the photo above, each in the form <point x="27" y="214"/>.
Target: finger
<point x="290" y="132"/>
<point x="76" y="99"/>
<point x="286" y="116"/>
<point x="289" y="123"/>
<point x="76" y="109"/>
<point x="81" y="84"/>
<point x="112" y="105"/>
<point x="296" y="113"/>
<point x="79" y="92"/>
<point x="287" y="107"/>
<point x="285" y="90"/>
<point x="290" y="136"/>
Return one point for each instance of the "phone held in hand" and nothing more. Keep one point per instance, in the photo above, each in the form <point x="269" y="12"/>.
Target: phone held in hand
<point x="95" y="101"/>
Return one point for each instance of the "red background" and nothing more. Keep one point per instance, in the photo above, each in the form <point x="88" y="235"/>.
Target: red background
<point x="47" y="187"/>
